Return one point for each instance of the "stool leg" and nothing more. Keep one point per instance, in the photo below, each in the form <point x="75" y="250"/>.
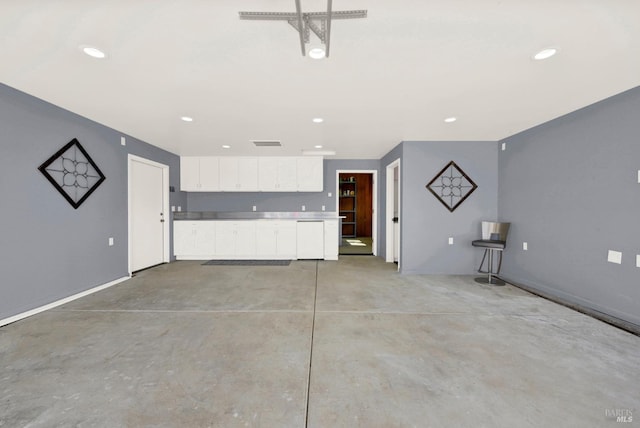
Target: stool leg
<point x="490" y="264"/>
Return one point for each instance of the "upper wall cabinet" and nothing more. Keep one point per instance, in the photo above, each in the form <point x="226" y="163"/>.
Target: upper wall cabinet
<point x="199" y="174"/>
<point x="310" y="173"/>
<point x="238" y="174"/>
<point x="277" y="174"/>
<point x="251" y="174"/>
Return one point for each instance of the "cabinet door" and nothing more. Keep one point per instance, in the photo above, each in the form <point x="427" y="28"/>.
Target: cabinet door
<point x="310" y="239"/>
<point x="247" y="174"/>
<point x="287" y="244"/>
<point x="228" y="173"/>
<point x="209" y="174"/>
<point x="331" y="238"/>
<point x="266" y="238"/>
<point x="225" y="238"/>
<point x="205" y="244"/>
<point x="189" y="174"/>
<point x="268" y="174"/>
<point x="184" y="238"/>
<point x="310" y="174"/>
<point x="287" y="174"/>
<point x="245" y="239"/>
<point x="238" y="174"/>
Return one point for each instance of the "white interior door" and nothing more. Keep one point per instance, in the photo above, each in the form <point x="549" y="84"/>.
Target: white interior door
<point x="147" y="212"/>
<point x="393" y="211"/>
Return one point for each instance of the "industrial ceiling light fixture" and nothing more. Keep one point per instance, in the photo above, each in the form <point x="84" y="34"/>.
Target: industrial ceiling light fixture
<point x="305" y="23"/>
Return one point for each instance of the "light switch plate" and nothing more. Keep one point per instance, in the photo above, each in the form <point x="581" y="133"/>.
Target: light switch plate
<point x="123" y="141"/>
<point x="179" y="208"/>
<point x="525" y="246"/>
<point x="330" y="192"/>
<point x="614" y="257"/>
<point x="504" y="146"/>
<point x="451" y="241"/>
<point x="637" y="260"/>
<point x="111" y="242"/>
<point x="173" y="208"/>
<point x="639" y="176"/>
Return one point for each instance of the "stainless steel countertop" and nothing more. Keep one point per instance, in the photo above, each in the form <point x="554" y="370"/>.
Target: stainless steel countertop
<point x="255" y="215"/>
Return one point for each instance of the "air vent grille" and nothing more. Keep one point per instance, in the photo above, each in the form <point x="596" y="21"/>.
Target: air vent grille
<point x="267" y="143"/>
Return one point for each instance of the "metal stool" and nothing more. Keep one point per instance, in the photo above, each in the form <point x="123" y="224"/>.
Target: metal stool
<point x="494" y="238"/>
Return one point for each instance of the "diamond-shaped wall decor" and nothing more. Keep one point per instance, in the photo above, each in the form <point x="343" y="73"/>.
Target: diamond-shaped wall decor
<point x="451" y="186"/>
<point x="73" y="173"/>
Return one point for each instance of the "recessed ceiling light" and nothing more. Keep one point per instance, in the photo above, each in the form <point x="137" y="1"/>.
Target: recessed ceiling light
<point x="187" y="119"/>
<point x="545" y="53"/>
<point x="317" y="53"/>
<point x="318" y="146"/>
<point x="93" y="52"/>
<point x="226" y="146"/>
<point x="318" y="120"/>
<point x="451" y="119"/>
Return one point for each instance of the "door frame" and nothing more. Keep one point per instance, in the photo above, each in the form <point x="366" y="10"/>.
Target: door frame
<point x="165" y="196"/>
<point x="374" y="201"/>
<point x="390" y="197"/>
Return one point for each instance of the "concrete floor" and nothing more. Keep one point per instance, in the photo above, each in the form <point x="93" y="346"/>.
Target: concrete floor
<point x="185" y="345"/>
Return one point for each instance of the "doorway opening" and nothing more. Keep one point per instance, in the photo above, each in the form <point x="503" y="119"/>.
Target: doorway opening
<point x="356" y="199"/>
<point x="148" y="185"/>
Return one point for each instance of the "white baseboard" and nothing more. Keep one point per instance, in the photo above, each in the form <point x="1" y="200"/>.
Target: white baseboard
<point x="61" y="301"/>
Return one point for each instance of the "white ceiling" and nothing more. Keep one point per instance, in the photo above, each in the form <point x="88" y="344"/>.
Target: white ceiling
<point x="393" y="76"/>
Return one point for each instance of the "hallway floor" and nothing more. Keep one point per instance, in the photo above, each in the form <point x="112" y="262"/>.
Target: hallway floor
<point x="321" y="344"/>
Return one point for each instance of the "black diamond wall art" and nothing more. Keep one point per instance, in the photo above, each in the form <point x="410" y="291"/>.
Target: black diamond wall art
<point x="73" y="173"/>
<point x="451" y="186"/>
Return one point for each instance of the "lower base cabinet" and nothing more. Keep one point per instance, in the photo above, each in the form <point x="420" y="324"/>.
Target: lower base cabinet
<point x="253" y="239"/>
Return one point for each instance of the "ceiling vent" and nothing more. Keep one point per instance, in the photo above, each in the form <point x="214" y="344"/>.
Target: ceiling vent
<point x="267" y="143"/>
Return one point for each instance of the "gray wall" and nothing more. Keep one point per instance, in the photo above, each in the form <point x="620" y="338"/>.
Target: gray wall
<point x="426" y="224"/>
<point x="48" y="250"/>
<point x="570" y="188"/>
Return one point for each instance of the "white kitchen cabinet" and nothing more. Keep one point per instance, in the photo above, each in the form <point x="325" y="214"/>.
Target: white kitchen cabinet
<point x="199" y="174"/>
<point x="310" y="239"/>
<point x="276" y="239"/>
<point x="277" y="174"/>
<point x="331" y="239"/>
<point x="194" y="239"/>
<point x="238" y="174"/>
<point x="236" y="239"/>
<point x="255" y="239"/>
<point x="310" y="174"/>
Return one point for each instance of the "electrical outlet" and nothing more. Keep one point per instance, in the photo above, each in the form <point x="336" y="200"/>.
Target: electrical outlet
<point x="304" y="208"/>
<point x="525" y="246"/>
<point x="254" y="208"/>
<point x="323" y="208"/>
<point x="173" y="208"/>
<point x="637" y="260"/>
<point x="614" y="257"/>
<point x="123" y="141"/>
<point x="111" y="242"/>
<point x="179" y="208"/>
<point x="329" y="194"/>
<point x="451" y="241"/>
<point x="639" y="176"/>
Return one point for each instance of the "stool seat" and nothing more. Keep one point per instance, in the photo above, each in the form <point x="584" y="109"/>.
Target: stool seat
<point x="489" y="243"/>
